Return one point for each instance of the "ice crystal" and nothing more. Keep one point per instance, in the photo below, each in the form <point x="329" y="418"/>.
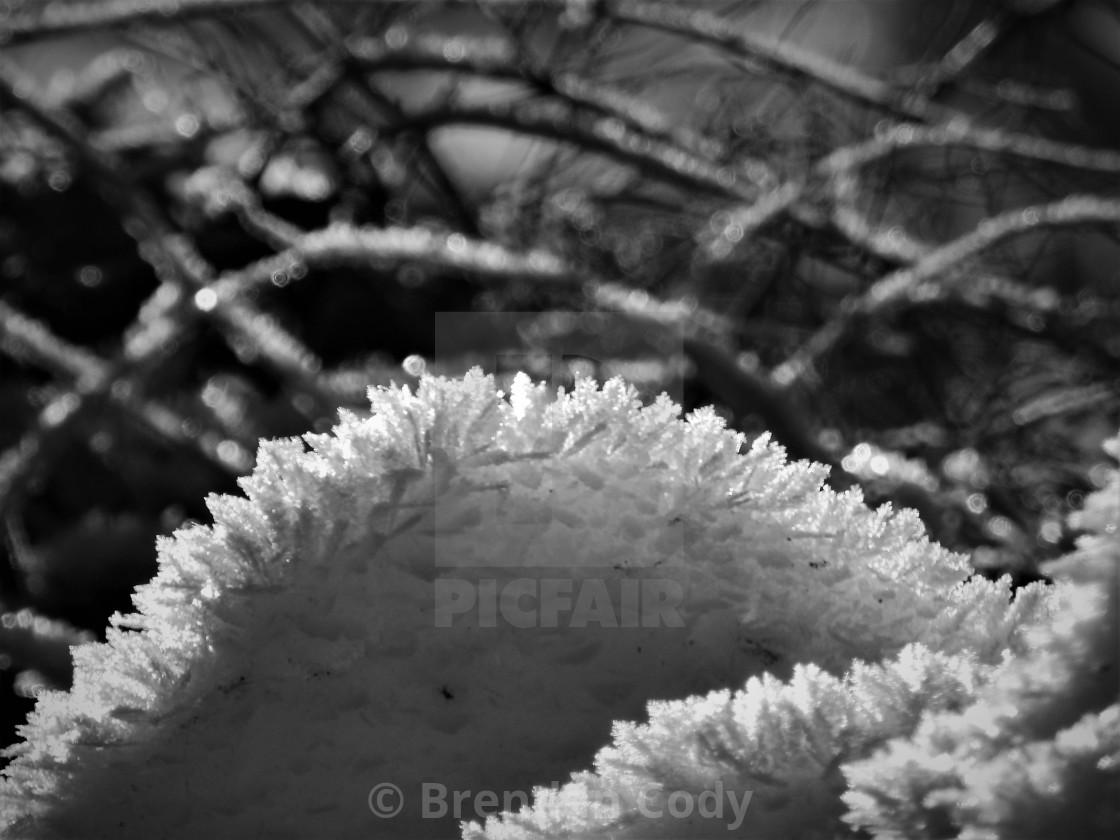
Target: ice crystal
<point x="296" y="653"/>
<point x="1036" y="754"/>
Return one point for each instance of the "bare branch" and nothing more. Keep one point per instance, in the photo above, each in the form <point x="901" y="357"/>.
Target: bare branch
<point x="698" y="24"/>
<point x="966" y="52"/>
<point x="831" y="170"/>
<point x="499" y="58"/>
<point x="915" y="285"/>
<point x="608" y="135"/>
<point x="93" y="380"/>
<point x="159" y="243"/>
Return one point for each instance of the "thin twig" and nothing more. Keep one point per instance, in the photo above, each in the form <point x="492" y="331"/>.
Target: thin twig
<point x="158" y="242"/>
<point x="916" y="284"/>
<point x="745" y="221"/>
<point x="499" y="58"/>
<point x="698" y="24"/>
<point x="92" y="380"/>
<point x="560" y="122"/>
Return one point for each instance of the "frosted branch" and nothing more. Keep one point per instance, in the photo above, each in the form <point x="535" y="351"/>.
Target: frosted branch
<point x="916" y="284"/>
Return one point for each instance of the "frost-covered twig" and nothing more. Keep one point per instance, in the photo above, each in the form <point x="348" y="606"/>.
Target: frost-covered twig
<point x="561" y="123"/>
<point x="920" y="284"/>
<point x="843" y="165"/>
<point x="500" y="58"/>
<point x="169" y="253"/>
<point x="91" y="380"/>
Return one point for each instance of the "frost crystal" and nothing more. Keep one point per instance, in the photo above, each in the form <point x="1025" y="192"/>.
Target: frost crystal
<point x="1036" y="754"/>
<point x="466" y="592"/>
